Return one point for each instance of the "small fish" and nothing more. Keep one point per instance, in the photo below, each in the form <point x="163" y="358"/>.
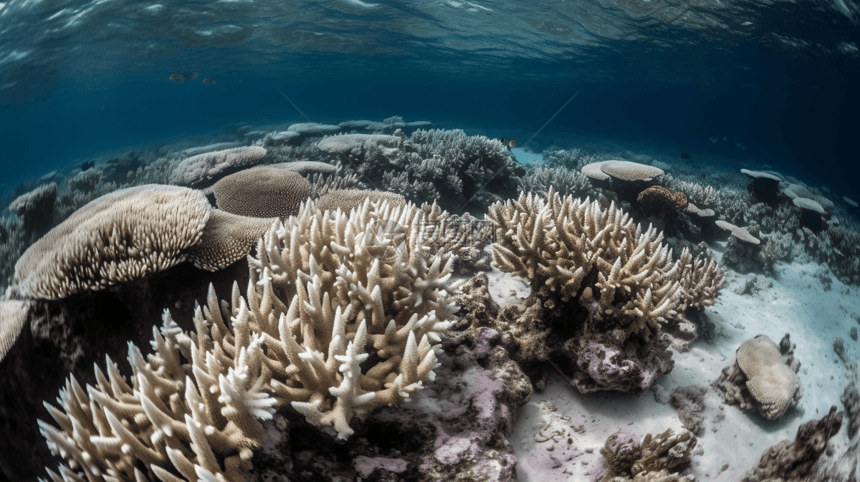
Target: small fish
<point x="209" y="81"/>
<point x="87" y="166"/>
<point x="177" y="78"/>
<point x="508" y="142"/>
<point x="193" y="75"/>
<point x="685" y="155"/>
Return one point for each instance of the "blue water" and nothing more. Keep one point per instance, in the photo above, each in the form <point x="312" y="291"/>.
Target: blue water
<point x="81" y="78"/>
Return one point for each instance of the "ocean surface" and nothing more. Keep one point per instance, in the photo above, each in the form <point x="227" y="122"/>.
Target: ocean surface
<point x="697" y="89"/>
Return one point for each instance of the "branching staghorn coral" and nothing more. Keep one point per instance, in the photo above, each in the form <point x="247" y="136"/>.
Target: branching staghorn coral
<point x="565" y="181"/>
<point x="192" y="409"/>
<point x="327" y="291"/>
<point x="597" y="278"/>
<point x="558" y="242"/>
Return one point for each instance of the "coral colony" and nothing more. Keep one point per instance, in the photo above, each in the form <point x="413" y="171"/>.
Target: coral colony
<point x="328" y="302"/>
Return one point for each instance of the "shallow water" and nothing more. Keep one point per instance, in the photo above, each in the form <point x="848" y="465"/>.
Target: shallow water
<point x="103" y="97"/>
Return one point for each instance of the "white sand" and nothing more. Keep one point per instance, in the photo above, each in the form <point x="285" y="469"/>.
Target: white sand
<point x="796" y="304"/>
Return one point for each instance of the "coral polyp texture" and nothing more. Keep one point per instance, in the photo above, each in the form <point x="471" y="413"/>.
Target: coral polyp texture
<point x="124" y="235"/>
<point x="203" y="169"/>
<point x="761" y="378"/>
<point x="262" y="192"/>
<point x="600" y="289"/>
<point x="329" y="293"/>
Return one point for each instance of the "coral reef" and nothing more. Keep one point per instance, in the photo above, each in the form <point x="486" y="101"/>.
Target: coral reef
<point x="658" y="458"/>
<point x="764" y="186"/>
<point x="123" y="235"/>
<point x="204" y="169"/>
<point x="790" y="461"/>
<point x="310" y="312"/>
<point x="761" y="378"/>
<point x="661" y="202"/>
<point x="460" y="172"/>
<point x="262" y="192"/>
<point x="563" y="180"/>
<point x="453" y="430"/>
<point x="600" y="289"/>
<point x="36" y="208"/>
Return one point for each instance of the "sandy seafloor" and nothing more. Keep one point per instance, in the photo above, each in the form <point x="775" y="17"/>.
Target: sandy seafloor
<point x="796" y="304"/>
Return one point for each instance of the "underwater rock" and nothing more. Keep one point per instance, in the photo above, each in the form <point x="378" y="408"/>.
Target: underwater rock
<point x="631" y="368"/>
<point x="790" y="461"/>
<point x="836" y="465"/>
<point x="454" y="429"/>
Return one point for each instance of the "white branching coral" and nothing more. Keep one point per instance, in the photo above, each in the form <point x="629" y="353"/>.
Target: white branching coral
<point x="328" y="290"/>
<point x="191" y="407"/>
<point x="601" y="290"/>
<point x="559" y="241"/>
<point x="347" y="283"/>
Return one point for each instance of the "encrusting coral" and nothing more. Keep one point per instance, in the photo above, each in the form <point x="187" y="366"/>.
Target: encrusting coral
<point x="600" y="289"/>
<point x="328" y="291"/>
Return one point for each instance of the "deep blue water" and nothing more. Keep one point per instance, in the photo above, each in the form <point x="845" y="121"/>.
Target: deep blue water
<point x="792" y="106"/>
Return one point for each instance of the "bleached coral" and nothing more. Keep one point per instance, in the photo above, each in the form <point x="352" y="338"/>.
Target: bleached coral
<point x="564" y="181"/>
<point x="599" y="280"/>
<point x="327" y="290"/>
<point x="761" y="378"/>
<point x="358" y="277"/>
<point x="194" y="405"/>
<point x="558" y="242"/>
<point x="459" y="172"/>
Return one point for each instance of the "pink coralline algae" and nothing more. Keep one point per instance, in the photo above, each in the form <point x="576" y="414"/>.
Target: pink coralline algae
<point x="474" y="441"/>
<point x="366" y="465"/>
